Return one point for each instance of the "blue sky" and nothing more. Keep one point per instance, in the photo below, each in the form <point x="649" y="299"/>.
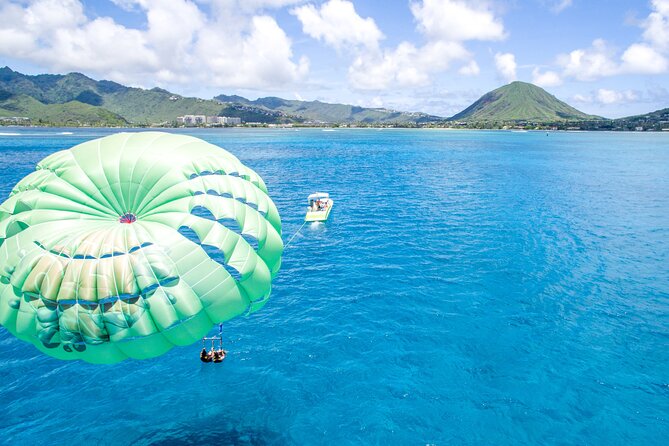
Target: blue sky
<point x="604" y="57"/>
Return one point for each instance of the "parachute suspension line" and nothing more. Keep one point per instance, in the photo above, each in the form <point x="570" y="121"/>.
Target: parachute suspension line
<point x="296" y="232"/>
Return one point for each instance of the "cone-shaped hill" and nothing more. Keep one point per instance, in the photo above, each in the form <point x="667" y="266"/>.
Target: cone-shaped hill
<point x="520" y="101"/>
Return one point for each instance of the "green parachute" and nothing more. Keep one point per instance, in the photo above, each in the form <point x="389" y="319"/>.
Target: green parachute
<point x="131" y="244"/>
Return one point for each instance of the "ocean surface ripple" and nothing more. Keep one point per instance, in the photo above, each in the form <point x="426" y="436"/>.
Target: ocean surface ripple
<point x="470" y="288"/>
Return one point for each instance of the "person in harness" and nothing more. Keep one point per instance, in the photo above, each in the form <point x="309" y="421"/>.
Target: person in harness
<point x="219" y="355"/>
<point x="205" y="356"/>
<point x="213" y="355"/>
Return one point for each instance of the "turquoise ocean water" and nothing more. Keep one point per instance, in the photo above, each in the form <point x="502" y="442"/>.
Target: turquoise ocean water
<point x="472" y="288"/>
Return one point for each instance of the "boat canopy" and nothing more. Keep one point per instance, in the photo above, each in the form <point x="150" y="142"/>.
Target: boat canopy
<point x="318" y="196"/>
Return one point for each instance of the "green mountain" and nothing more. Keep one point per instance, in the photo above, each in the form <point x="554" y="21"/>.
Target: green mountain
<point x="520" y="101"/>
<point x="71" y="113"/>
<point x="110" y="102"/>
<point x="332" y="113"/>
<point x="75" y="99"/>
<point x="657" y="120"/>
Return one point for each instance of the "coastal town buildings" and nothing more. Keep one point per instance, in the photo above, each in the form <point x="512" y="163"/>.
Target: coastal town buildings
<point x="200" y="120"/>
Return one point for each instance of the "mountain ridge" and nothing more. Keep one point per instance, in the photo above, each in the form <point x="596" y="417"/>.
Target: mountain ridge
<point x="157" y="105"/>
<point x="520" y="101"/>
<point x="135" y="106"/>
<point x="333" y="112"/>
<point x="75" y="99"/>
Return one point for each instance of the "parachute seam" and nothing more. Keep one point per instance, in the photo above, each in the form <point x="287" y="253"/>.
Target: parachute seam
<point x="67" y="265"/>
<point x="60" y="344"/>
<point x="41" y="191"/>
<point x="59" y="210"/>
<point x="106" y="178"/>
<point x="124" y="207"/>
<point x="229" y="178"/>
<point x="113" y="274"/>
<point x="33" y="187"/>
<point x="199" y="246"/>
<point x="142" y="204"/>
<point x="227" y="230"/>
<point x="148" y="311"/>
<point x="132" y="173"/>
<point x="227" y="155"/>
<point x="90" y="180"/>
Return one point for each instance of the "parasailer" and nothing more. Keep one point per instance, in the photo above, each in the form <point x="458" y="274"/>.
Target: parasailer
<point x="131" y="244"/>
<point x="213" y="355"/>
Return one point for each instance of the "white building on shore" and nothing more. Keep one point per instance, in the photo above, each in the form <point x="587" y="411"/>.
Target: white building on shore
<point x="191" y="120"/>
<point x="232" y="120"/>
<point x="196" y="120"/>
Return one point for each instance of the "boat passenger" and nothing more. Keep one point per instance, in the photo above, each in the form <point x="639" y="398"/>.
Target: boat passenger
<point x="219" y="355"/>
<point x="204" y="356"/>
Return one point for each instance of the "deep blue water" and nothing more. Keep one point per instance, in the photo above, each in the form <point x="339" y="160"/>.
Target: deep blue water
<point x="471" y="288"/>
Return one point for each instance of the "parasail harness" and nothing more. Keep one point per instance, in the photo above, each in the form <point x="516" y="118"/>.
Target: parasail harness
<point x="214" y="355"/>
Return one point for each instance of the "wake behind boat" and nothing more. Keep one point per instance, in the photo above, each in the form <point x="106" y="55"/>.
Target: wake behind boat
<point x="320" y="205"/>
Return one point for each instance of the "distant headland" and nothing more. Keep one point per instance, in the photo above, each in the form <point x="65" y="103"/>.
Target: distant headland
<point x="76" y="100"/>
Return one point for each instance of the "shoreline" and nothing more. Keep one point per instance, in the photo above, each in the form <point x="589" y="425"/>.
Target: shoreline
<point x="336" y="127"/>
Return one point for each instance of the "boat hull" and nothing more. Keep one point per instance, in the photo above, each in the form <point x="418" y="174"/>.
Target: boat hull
<point x="321" y="215"/>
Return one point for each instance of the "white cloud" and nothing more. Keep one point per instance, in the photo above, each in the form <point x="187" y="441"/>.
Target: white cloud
<point x="337" y="23"/>
<point x="656" y="26"/>
<point x="179" y="45"/>
<point x="586" y="99"/>
<point x="262" y="60"/>
<point x="22" y="24"/>
<point x="446" y="25"/>
<point x="648" y="57"/>
<point x="546" y="79"/>
<point x="606" y="97"/>
<point x="56" y="33"/>
<point x="235" y="8"/>
<point x="126" y="5"/>
<point x="506" y="66"/>
<point x="456" y="20"/>
<point x="641" y="58"/>
<point x="375" y="102"/>
<point x="590" y="63"/>
<point x="254" y="5"/>
<point x="15" y="36"/>
<point x="407" y="65"/>
<point x="561" y="5"/>
<point x="99" y="46"/>
<point x="471" y="69"/>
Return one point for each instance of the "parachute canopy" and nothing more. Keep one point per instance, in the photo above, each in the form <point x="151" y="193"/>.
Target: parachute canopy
<point x="127" y="245"/>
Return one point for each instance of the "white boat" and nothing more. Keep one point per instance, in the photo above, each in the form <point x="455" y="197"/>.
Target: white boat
<point x="320" y="205"/>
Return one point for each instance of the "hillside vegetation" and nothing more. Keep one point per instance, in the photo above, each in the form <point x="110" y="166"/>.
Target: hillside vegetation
<point x="71" y="113"/>
<point x="331" y="113"/>
<point x="158" y="106"/>
<point x="520" y="101"/>
<point x="75" y="99"/>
